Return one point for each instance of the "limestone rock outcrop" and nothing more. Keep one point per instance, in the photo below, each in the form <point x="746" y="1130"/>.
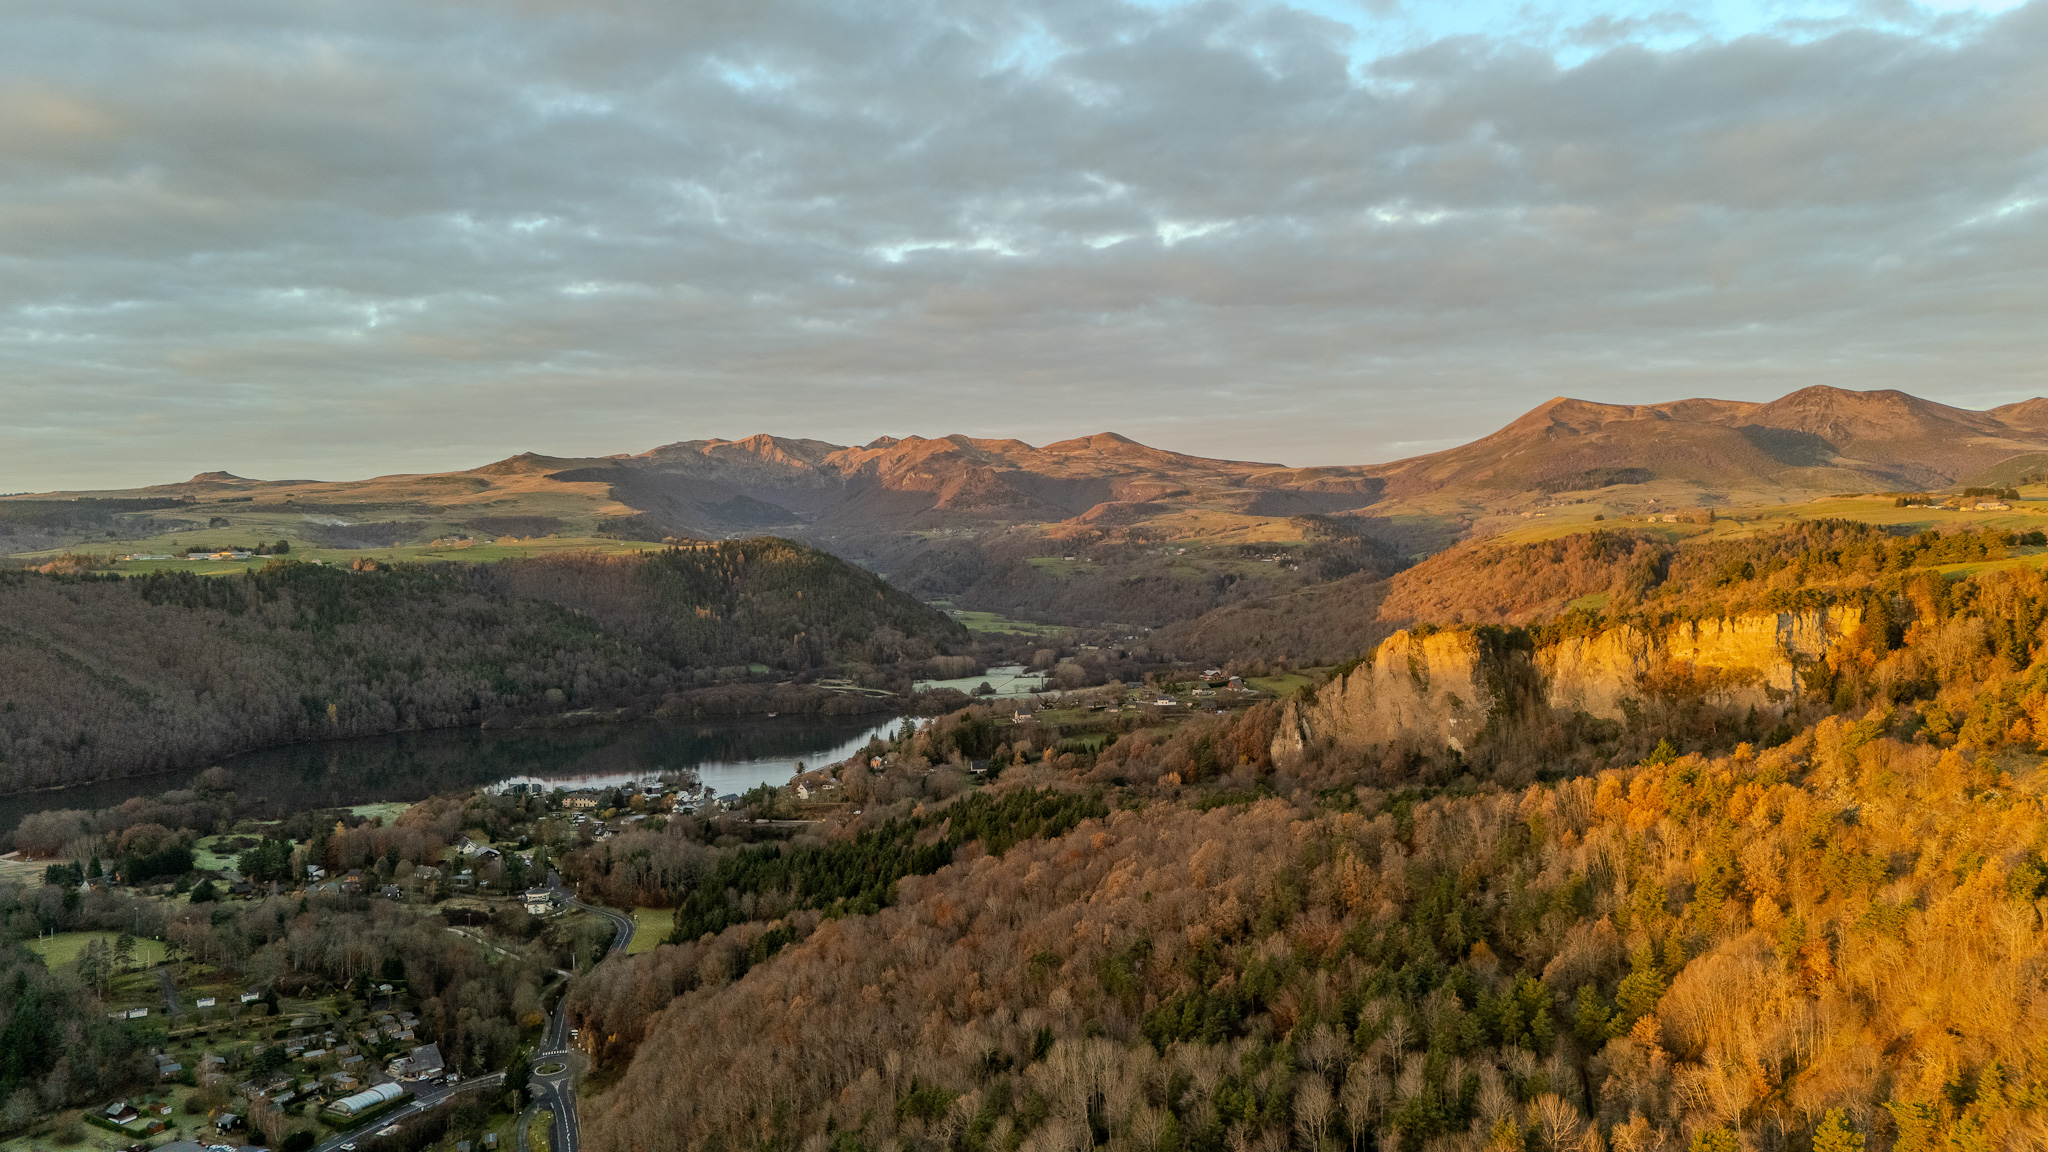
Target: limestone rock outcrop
<point x="1442" y="689"/>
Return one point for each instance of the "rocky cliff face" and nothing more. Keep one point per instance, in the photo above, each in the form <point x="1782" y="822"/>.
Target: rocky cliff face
<point x="1443" y="689"/>
<point x="1436" y="685"/>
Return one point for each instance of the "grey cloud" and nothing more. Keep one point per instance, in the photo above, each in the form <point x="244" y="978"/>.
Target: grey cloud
<point x="337" y="238"/>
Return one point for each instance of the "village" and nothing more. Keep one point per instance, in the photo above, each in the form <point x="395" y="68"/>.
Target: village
<point x="277" y="1048"/>
<point x="325" y="1038"/>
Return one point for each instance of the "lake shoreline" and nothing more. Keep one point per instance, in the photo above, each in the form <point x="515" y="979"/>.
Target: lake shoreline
<point x="414" y="764"/>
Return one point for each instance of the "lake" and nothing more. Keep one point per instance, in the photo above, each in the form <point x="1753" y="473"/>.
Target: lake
<point x="729" y="756"/>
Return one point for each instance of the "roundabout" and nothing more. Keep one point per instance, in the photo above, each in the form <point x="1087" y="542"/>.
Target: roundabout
<point x="551" y="1068"/>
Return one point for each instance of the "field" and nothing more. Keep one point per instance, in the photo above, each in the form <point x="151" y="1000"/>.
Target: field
<point x="64" y="947"/>
<point x="205" y="857"/>
<point x="474" y="553"/>
<point x="93" y="1138"/>
<point x="996" y="622"/>
<point x="1285" y="685"/>
<point x="650" y="927"/>
<point x="386" y="812"/>
<point x="2030" y="512"/>
<point x="2020" y="558"/>
<point x="25" y="871"/>
<point x="448" y="517"/>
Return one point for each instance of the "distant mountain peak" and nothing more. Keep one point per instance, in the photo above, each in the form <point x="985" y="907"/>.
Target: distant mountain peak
<point x="525" y="462"/>
<point x="2030" y="414"/>
<point x="215" y="478"/>
<point x="1817" y="437"/>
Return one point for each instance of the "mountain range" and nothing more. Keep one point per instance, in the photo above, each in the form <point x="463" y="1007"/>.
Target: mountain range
<point x="1815" y="440"/>
<point x="887" y="502"/>
<point x="913" y="483"/>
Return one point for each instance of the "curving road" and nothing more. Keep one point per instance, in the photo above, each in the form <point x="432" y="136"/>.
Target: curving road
<point x="556" y="1092"/>
<point x="622" y="924"/>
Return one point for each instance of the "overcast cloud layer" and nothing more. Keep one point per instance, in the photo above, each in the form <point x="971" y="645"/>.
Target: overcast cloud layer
<point x="359" y="236"/>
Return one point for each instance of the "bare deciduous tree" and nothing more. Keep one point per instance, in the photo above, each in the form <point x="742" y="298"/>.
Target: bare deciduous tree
<point x="1312" y="1108"/>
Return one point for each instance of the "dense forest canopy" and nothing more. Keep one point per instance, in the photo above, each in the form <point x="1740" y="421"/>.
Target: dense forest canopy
<point x="1619" y="571"/>
<point x="1798" y="566"/>
<point x="1679" y="953"/>
<point x="1703" y="929"/>
<point x="106" y="676"/>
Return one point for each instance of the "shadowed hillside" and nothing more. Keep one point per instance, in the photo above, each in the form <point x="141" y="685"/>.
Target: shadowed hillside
<point x="105" y="676"/>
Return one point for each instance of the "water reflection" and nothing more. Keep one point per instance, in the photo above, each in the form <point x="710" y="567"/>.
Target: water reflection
<point x="730" y="756"/>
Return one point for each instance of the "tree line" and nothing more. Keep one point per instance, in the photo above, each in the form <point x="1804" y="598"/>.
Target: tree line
<point x="1793" y="567"/>
<point x="1833" y="938"/>
<point x="105" y="676"/>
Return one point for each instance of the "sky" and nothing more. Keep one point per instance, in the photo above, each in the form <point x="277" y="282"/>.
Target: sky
<point x="340" y="238"/>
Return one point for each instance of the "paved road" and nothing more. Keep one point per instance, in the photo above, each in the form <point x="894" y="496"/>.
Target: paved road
<point x="163" y="975"/>
<point x="620" y="921"/>
<point x="556" y="1092"/>
<point x="523" y="1138"/>
<point x="425" y="1096"/>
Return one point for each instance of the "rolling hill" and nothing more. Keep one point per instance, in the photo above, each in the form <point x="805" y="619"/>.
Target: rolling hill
<point x="1814" y="440"/>
<point x="988" y="523"/>
<point x="103" y="678"/>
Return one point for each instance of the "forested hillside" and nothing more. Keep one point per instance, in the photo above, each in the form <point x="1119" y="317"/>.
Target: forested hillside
<point x="1320" y="624"/>
<point x="1093" y="578"/>
<point x="105" y="676"/>
<point x="1631" y="571"/>
<point x="1611" y="572"/>
<point x="1700" y="928"/>
<point x="1689" y="952"/>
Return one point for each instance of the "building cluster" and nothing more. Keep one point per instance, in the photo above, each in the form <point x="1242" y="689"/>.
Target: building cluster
<point x="345" y="1069"/>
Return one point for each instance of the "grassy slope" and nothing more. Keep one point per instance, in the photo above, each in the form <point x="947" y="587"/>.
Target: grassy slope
<point x="651" y="927"/>
<point x="2028" y="513"/>
<point x="469" y="554"/>
<point x="64" y="947"/>
<point x="996" y="622"/>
